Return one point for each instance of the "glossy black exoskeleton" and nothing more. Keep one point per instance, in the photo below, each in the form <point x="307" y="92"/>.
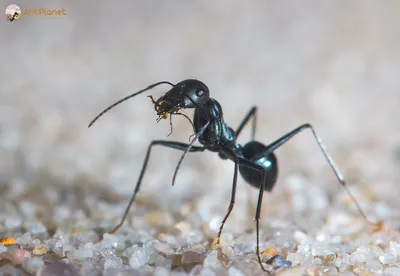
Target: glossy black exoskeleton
<point x="255" y="161"/>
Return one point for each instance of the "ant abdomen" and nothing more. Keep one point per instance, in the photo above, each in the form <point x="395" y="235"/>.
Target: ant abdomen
<point x="269" y="162"/>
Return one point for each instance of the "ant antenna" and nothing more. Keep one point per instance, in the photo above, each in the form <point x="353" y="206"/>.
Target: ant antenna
<point x="126" y="98"/>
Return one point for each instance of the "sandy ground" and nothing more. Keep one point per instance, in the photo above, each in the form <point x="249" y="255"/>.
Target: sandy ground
<point x="333" y="64"/>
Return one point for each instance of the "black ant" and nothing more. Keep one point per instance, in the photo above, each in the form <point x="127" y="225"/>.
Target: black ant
<point x="255" y="161"/>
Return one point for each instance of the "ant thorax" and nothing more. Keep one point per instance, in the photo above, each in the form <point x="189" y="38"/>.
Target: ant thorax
<point x="217" y="132"/>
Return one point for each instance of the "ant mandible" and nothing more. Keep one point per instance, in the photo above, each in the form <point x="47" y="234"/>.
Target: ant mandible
<point x="255" y="161"/>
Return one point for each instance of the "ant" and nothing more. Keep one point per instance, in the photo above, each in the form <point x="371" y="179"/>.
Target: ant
<point x="255" y="161"/>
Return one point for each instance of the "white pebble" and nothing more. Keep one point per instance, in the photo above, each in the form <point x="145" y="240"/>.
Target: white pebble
<point x="33" y="265"/>
<point x="321" y="250"/>
<point x="139" y="258"/>
<point x="2" y="248"/>
<point x="302" y="238"/>
<point x="35" y="242"/>
<point x="388" y="258"/>
<point x="59" y="234"/>
<point x="113" y="262"/>
<point x="80" y="254"/>
<point x="110" y="241"/>
<point x="374" y="266"/>
<point x="234" y="272"/>
<point x="394" y="247"/>
<point x="25" y="239"/>
<point x="392" y="271"/>
<point x="212" y="260"/>
<point x="207" y="272"/>
<point x="58" y="268"/>
<point x="161" y="271"/>
<point x="35" y="227"/>
<point x="192" y="238"/>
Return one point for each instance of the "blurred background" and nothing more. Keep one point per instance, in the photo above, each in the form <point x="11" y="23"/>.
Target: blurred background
<point x="334" y="64"/>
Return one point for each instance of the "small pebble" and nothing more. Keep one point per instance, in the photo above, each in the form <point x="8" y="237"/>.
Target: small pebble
<point x="183" y="226"/>
<point x="207" y="272"/>
<point x="139" y="258"/>
<point x="161" y="271"/>
<point x="270" y="252"/>
<point x="164" y="248"/>
<point x="33" y="265"/>
<point x="80" y="254"/>
<point x="8" y="269"/>
<point x="172" y="240"/>
<point x="232" y="271"/>
<point x="330" y="258"/>
<point x="314" y="270"/>
<point x="113" y="262"/>
<point x="302" y="238"/>
<point x="18" y="256"/>
<point x="388" y="258"/>
<point x="25" y="238"/>
<point x="395" y="271"/>
<point x="279" y="262"/>
<point x="213" y="260"/>
<point x="39" y="249"/>
<point x="7" y="241"/>
<point x="35" y="227"/>
<point x="58" y="269"/>
<point x="36" y="242"/>
<point x="192" y="258"/>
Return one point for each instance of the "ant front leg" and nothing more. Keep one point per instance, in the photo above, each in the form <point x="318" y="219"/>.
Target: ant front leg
<point x="251" y="114"/>
<point x="188" y="149"/>
<point x="175" y="145"/>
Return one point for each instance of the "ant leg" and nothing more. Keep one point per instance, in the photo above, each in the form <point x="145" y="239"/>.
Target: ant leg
<point x="251" y="114"/>
<point x="249" y="164"/>
<point x="189" y="146"/>
<point x="184" y="115"/>
<point x="169" y="144"/>
<point x="170" y="124"/>
<point x="190" y="121"/>
<point x="276" y="144"/>
<point x="257" y="218"/>
<point x="235" y="158"/>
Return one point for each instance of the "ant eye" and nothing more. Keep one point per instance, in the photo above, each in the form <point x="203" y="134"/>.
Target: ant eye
<point x="199" y="93"/>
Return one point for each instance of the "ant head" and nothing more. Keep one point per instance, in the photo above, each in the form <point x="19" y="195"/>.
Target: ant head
<point x="185" y="94"/>
<point x="193" y="93"/>
<point x="189" y="93"/>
